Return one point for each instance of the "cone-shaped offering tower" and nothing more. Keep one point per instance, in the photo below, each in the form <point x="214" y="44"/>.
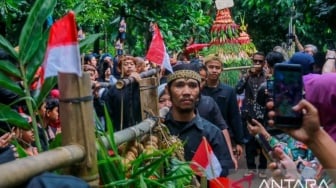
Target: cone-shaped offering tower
<point x="230" y="41"/>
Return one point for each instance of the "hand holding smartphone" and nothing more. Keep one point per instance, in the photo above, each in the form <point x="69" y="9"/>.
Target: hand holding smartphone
<point x="287" y="92"/>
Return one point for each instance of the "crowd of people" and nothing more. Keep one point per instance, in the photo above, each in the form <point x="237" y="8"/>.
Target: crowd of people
<point x="198" y="105"/>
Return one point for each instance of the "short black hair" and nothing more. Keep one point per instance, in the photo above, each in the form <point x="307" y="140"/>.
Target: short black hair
<point x="258" y="53"/>
<point x="51" y="103"/>
<point x="274" y="57"/>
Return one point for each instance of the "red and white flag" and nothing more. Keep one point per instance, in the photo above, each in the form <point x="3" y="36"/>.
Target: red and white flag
<point x="157" y="52"/>
<point x="62" y="51"/>
<point x="205" y="161"/>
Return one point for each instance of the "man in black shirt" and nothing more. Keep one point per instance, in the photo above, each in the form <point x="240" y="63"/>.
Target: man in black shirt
<point x="225" y="97"/>
<point x="184" y="121"/>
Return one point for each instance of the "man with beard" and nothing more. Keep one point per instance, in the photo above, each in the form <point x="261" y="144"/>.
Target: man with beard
<point x="225" y="96"/>
<point x="184" y="121"/>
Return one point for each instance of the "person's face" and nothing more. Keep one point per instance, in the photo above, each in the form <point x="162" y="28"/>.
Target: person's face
<point x="184" y="94"/>
<point x="93" y="62"/>
<point x="148" y="65"/>
<point x="309" y="51"/>
<point x="128" y="67"/>
<point x="108" y="60"/>
<point x="107" y="72"/>
<point x="258" y="62"/>
<point x="53" y="114"/>
<point x="28" y="136"/>
<point x="203" y="75"/>
<point x="42" y="110"/>
<point x="164" y="101"/>
<point x="214" y="69"/>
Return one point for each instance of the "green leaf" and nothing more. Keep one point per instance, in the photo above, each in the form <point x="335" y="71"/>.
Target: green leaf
<point x="110" y="131"/>
<point x="7" y="83"/>
<point x="79" y="7"/>
<point x="19" y="149"/>
<point x="57" y="142"/>
<point x="12" y="117"/>
<point x="32" y="30"/>
<point x="5" y="45"/>
<point x="9" y="68"/>
<point x="37" y="59"/>
<point x="48" y="85"/>
<point x="88" y="41"/>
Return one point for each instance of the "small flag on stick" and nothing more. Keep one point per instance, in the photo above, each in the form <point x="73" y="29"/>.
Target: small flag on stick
<point x="62" y="51"/>
<point x="157" y="52"/>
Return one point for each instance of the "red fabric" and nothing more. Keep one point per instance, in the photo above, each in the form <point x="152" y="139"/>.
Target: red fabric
<point x="157" y="49"/>
<point x="219" y="182"/>
<point x="64" y="31"/>
<point x="205" y="162"/>
<point x="62" y="51"/>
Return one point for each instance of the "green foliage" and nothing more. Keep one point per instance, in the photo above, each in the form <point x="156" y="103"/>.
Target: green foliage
<point x="150" y="169"/>
<point x="268" y="21"/>
<point x="181" y="19"/>
<point x="32" y="42"/>
<point x="12" y="117"/>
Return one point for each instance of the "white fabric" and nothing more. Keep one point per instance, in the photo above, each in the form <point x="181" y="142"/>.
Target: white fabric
<point x="63" y="59"/>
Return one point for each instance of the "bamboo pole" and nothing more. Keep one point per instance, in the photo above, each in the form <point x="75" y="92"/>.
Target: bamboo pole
<point x="19" y="171"/>
<point x="149" y="97"/>
<point x="131" y="133"/>
<point x="77" y="120"/>
<point x="237" y="68"/>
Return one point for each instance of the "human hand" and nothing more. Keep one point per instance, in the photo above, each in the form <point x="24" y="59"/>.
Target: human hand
<point x="256" y="128"/>
<point x="310" y="122"/>
<point x="31" y="151"/>
<point x="239" y="151"/>
<point x="136" y="76"/>
<point x="235" y="162"/>
<point x="284" y="167"/>
<point x="5" y="139"/>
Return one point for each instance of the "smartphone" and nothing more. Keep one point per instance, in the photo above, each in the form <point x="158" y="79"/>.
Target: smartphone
<point x="287" y="92"/>
<point x="247" y="117"/>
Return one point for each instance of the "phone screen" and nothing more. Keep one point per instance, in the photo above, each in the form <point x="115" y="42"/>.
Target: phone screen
<point x="286" y="94"/>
